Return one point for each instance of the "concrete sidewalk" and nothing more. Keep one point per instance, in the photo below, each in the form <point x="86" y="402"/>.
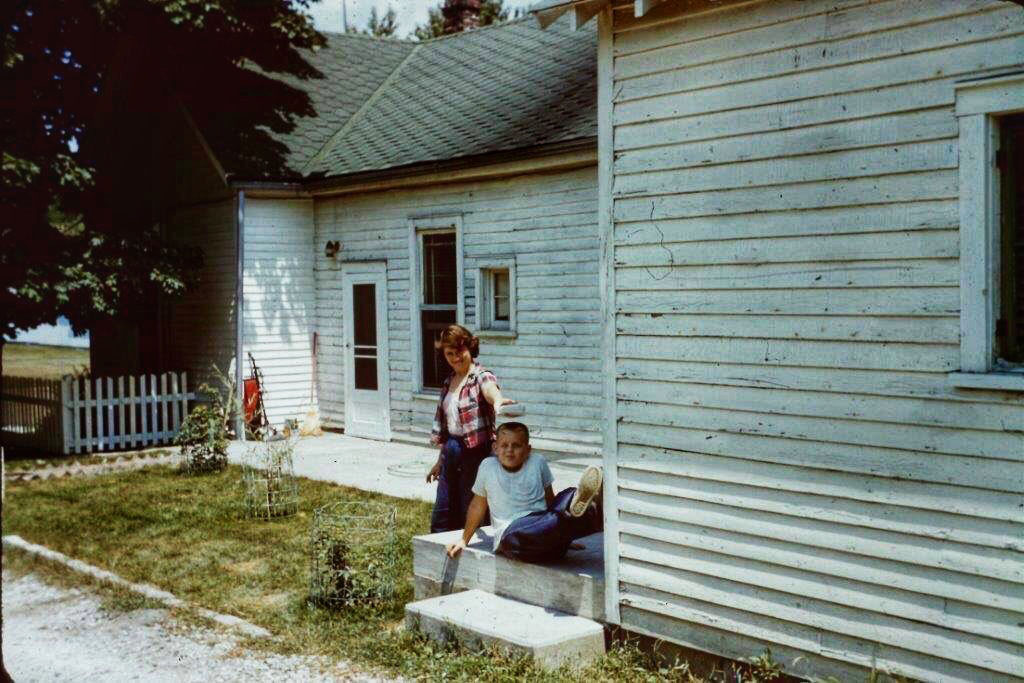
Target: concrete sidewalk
<point x="391" y="468"/>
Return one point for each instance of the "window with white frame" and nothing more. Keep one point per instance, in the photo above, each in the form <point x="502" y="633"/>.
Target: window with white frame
<point x="436" y="284"/>
<point x="496" y="298"/>
<point x="991" y="119"/>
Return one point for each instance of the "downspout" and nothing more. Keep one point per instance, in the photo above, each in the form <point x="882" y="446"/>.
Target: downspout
<point x="239" y="311"/>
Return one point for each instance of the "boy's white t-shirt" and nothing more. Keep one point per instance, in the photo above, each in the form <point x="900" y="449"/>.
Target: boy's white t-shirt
<point x="511" y="495"/>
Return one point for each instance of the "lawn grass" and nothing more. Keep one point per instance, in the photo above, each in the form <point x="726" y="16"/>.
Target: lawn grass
<point x="40" y="360"/>
<point x="186" y="535"/>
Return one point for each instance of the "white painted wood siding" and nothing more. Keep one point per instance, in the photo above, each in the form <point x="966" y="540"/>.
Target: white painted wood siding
<point x="794" y="470"/>
<point x="279" y="306"/>
<point x="202" y="323"/>
<point x="547" y="222"/>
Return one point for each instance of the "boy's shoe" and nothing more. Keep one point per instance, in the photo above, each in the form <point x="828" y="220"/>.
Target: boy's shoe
<point x="586" y="491"/>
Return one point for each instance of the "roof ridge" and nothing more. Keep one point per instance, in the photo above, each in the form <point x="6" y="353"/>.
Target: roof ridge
<point x="470" y="31"/>
<point x="340" y="133"/>
<point x="363" y="36"/>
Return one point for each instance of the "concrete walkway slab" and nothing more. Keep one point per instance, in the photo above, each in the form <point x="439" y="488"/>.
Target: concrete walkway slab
<point x="392" y="468"/>
<point x="479" y="619"/>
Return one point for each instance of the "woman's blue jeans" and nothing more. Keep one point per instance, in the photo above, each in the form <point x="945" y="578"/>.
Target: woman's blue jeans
<point x="455" y="484"/>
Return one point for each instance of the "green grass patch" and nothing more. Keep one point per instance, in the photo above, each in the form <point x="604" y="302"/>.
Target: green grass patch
<point x="41" y="360"/>
<point x="188" y="536"/>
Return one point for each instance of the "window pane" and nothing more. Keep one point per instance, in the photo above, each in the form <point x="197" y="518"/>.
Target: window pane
<point x="1010" y="330"/>
<point x="440" y="281"/>
<point x="366" y="373"/>
<point x="500" y="304"/>
<point x="364" y="314"/>
<point x="435" y="367"/>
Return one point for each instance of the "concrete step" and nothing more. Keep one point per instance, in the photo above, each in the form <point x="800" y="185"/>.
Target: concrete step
<point x="478" y="619"/>
<point x="574" y="584"/>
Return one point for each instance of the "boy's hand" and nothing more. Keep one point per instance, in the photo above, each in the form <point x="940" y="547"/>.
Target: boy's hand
<point x="455" y="548"/>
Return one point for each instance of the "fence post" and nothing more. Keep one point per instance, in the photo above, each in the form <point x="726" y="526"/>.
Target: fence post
<point x="154" y="428"/>
<point x="121" y="441"/>
<point x="163" y="408"/>
<point x="65" y="408"/>
<point x="175" y="408"/>
<point x="184" y="396"/>
<point x="87" y="441"/>
<point x="131" y="405"/>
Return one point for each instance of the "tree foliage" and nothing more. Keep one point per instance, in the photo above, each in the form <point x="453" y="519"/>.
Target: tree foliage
<point x="82" y="79"/>
<point x="453" y="16"/>
<point x="382" y="27"/>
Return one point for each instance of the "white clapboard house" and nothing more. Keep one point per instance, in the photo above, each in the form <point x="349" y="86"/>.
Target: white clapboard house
<point x="812" y="230"/>
<point x="449" y="180"/>
<point x="763" y="256"/>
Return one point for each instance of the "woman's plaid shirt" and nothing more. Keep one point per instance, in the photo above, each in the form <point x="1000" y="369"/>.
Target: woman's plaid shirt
<point x="476" y="415"/>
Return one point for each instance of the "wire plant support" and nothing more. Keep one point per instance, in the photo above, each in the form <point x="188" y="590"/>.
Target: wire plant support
<point x="353" y="551"/>
<point x="268" y="480"/>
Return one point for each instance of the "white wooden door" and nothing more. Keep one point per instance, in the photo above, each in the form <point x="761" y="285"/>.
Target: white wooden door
<point x="367" y="409"/>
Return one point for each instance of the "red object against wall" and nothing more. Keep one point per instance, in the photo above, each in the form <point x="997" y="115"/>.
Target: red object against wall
<point x="252" y="398"/>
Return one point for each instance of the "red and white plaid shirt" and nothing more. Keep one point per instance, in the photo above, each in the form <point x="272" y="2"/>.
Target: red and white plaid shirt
<point x="476" y="415"/>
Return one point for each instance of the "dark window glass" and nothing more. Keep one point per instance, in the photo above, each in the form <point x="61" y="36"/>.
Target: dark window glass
<point x="364" y="325"/>
<point x="501" y="295"/>
<point x="435" y="367"/>
<point x="364" y="314"/>
<point x="440" y="280"/>
<point x="366" y="373"/>
<point x="1010" y="327"/>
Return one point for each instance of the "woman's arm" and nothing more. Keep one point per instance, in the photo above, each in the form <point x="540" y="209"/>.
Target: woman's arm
<point x="549" y="496"/>
<point x="493" y="395"/>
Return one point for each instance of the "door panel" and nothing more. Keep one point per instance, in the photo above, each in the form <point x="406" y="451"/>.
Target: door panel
<point x="367" y="409"/>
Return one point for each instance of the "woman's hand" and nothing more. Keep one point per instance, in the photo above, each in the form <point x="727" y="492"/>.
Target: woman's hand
<point x="507" y="406"/>
<point x="435" y="472"/>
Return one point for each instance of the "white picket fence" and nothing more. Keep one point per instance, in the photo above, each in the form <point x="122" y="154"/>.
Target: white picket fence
<point x="90" y="414"/>
<point x="107" y="413"/>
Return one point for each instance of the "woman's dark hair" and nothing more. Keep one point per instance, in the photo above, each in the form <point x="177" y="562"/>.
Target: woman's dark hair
<point x="458" y="337"/>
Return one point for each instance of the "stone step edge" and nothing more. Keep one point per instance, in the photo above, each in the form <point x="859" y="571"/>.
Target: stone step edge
<point x="549" y="653"/>
<point x="146" y="590"/>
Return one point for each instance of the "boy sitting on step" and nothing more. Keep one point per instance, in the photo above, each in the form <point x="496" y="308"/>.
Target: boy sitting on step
<point x="530" y="522"/>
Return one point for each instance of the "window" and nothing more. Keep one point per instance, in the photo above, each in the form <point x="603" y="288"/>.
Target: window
<point x="496" y="298"/>
<point x="1010" y="162"/>
<point x="991" y="120"/>
<point x="436" y="284"/>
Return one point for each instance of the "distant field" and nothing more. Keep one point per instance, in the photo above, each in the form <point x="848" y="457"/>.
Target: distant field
<point x="37" y="360"/>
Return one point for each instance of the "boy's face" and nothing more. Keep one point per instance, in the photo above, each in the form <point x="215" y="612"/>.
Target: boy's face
<point x="512" y="449"/>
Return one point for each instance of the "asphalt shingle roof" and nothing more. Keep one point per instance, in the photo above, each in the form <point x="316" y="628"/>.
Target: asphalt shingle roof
<point x="387" y="103"/>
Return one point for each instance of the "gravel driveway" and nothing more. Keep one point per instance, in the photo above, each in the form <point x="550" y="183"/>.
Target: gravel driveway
<point x="59" y="634"/>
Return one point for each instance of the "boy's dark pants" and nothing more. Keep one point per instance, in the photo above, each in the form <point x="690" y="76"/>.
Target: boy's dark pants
<point x="455" y="484"/>
<point x="546" y="536"/>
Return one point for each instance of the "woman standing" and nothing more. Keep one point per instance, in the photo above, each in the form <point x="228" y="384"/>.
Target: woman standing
<point x="463" y="427"/>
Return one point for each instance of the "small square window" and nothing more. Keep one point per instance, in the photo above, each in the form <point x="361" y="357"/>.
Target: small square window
<point x="496" y="301"/>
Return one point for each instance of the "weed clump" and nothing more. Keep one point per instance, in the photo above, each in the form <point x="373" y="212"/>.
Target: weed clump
<point x="203" y="436"/>
<point x="268" y="480"/>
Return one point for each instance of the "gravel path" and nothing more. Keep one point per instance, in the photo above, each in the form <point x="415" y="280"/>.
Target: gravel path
<point x="59" y="634"/>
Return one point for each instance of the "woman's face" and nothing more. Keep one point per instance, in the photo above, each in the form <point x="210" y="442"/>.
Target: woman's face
<point x="458" y="358"/>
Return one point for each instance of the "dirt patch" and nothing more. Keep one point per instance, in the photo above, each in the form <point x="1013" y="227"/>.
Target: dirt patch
<point x="244" y="568"/>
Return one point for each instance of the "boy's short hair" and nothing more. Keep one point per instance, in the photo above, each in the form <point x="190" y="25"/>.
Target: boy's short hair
<point x="517" y="427"/>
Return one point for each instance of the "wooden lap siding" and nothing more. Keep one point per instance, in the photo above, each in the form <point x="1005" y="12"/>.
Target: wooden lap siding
<point x="202" y="323"/>
<point x="548" y="222"/>
<point x="793" y="468"/>
<point x="279" y="302"/>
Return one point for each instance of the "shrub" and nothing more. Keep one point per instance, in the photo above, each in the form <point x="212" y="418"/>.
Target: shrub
<point x="203" y="437"/>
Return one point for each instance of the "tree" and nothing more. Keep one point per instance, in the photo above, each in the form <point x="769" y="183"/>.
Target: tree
<point x="81" y="79"/>
<point x="453" y="16"/>
<point x="385" y="26"/>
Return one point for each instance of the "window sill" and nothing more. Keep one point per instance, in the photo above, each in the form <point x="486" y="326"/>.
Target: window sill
<point x="496" y="334"/>
<point x="992" y="381"/>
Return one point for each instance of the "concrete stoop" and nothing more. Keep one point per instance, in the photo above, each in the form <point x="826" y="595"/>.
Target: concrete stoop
<point x="549" y="612"/>
<point x="574" y="585"/>
<point x="478" y="619"/>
